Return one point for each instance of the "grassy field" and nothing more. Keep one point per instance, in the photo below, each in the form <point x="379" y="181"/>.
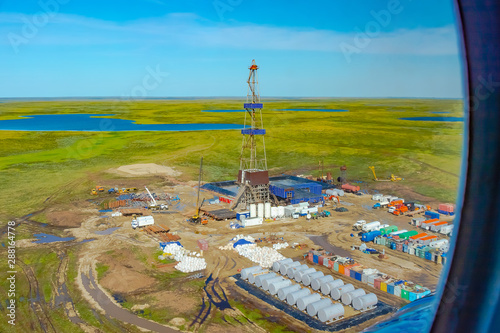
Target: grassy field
<point x="39" y="169"/>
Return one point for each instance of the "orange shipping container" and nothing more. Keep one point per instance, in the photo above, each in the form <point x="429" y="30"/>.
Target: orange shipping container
<point x="423" y="234"/>
<point x="341" y="269"/>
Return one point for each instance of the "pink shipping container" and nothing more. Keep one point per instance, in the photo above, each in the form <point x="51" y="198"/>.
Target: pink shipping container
<point x="203" y="244"/>
<point x="330" y="264"/>
<point x="376" y="283"/>
<point x="450" y="208"/>
<point x="347" y="271"/>
<point x="310" y="256"/>
<point x="320" y="260"/>
<point x="399" y="247"/>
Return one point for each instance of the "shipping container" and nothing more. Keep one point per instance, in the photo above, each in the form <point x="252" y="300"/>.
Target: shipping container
<point x="336" y="266"/>
<point x="388" y="230"/>
<point x="377" y="283"/>
<point x="341" y="269"/>
<point x="390" y="288"/>
<point x="405" y="294"/>
<point x="315" y="258"/>
<point x="370" y="236"/>
<point x="431" y="215"/>
<point x="408" y="234"/>
<point x="420" y="235"/>
<point x="383" y="286"/>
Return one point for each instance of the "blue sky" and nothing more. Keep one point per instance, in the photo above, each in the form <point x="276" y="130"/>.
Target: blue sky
<point x="324" y="48"/>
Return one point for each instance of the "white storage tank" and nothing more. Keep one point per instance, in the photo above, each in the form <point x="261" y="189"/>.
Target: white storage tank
<point x="349" y="296"/>
<point x="274" y="212"/>
<point x="327" y="287"/>
<point x="316" y="283"/>
<point x="276" y="286"/>
<point x="364" y="302"/>
<point x="313" y="308"/>
<point x="291" y="270"/>
<point x="283" y="292"/>
<point x="277" y="264"/>
<point x="253" y="275"/>
<point x="307" y="279"/>
<point x="259" y="279"/>
<point x="281" y="211"/>
<point x="336" y="293"/>
<point x="292" y="298"/>
<point x="300" y="274"/>
<point x="284" y="267"/>
<point x="248" y="270"/>
<point x="331" y="312"/>
<point x="260" y="210"/>
<point x="303" y="302"/>
<point x="253" y="210"/>
<point x="267" y="210"/>
<point x="267" y="283"/>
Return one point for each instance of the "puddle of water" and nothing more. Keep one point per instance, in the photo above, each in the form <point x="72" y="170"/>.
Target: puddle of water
<point x="108" y="231"/>
<point x="87" y="240"/>
<point x="317" y="110"/>
<point x="448" y="119"/>
<point x="46" y="238"/>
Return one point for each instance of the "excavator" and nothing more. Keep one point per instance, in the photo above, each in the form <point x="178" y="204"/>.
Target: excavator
<point x="392" y="179"/>
<point x="98" y="189"/>
<point x="197" y="219"/>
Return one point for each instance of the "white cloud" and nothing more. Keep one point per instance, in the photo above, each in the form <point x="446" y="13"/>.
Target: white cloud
<point x="180" y="29"/>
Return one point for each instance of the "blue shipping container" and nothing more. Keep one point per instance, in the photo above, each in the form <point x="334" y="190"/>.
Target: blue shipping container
<point x="357" y="276"/>
<point x="393" y="246"/>
<point x="315" y="258"/>
<point x="352" y="274"/>
<point x="390" y="288"/>
<point x="428" y="255"/>
<point x="445" y="213"/>
<point x="370" y="236"/>
<point x="431" y="215"/>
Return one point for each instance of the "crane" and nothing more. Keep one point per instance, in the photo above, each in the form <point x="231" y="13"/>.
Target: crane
<point x="196" y="218"/>
<point x="153" y="201"/>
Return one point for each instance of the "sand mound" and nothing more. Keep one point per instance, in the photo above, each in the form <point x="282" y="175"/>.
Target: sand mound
<point x="146" y="169"/>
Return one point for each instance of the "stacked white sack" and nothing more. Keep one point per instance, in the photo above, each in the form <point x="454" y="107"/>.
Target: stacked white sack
<point x="279" y="246"/>
<point x="264" y="256"/>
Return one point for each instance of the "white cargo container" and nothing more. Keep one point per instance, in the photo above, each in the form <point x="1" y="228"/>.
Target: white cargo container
<point x="267" y="210"/>
<point x="283" y="292"/>
<point x="417" y="221"/>
<point x="307" y="279"/>
<point x="142" y="221"/>
<point x="293" y="297"/>
<point x="259" y="279"/>
<point x="252" y="221"/>
<point x="253" y="210"/>
<point x="348" y="297"/>
<point x="260" y="210"/>
<point x="371" y="226"/>
<point x="331" y="312"/>
<point x="313" y="308"/>
<point x="364" y="302"/>
<point x="327" y="287"/>
<point x="291" y="270"/>
<point x="442" y="243"/>
<point x="276" y="286"/>
<point x="316" y="283"/>
<point x="303" y="302"/>
<point x="246" y="271"/>
<point x="337" y="293"/>
<point x="376" y="197"/>
<point x="274" y="212"/>
<point x="447" y="229"/>
<point x="267" y="283"/>
<point x="281" y="212"/>
<point x="300" y="274"/>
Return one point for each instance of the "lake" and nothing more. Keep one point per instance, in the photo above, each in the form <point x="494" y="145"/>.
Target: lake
<point x="90" y="123"/>
<point x="317" y="110"/>
<point x="46" y="238"/>
<point x="452" y="119"/>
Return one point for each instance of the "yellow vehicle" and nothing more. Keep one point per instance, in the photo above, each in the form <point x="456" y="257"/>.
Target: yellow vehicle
<point x="97" y="189"/>
<point x="392" y="179"/>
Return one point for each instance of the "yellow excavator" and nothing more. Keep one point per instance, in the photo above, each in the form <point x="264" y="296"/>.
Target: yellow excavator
<point x="392" y="179"/>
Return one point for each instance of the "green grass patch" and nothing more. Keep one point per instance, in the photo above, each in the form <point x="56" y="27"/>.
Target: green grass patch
<point x="101" y="270"/>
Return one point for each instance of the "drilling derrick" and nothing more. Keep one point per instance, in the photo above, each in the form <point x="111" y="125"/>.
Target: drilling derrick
<point x="253" y="176"/>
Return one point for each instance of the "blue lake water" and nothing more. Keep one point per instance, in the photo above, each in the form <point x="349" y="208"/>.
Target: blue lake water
<point x="88" y="122"/>
<point x="46" y="238"/>
<point x="453" y="119"/>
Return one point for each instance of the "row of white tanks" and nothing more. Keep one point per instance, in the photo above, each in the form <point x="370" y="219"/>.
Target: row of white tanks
<point x="313" y="303"/>
<point x="265" y="210"/>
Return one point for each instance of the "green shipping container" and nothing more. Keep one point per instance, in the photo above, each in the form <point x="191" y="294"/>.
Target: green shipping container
<point x="388" y="230"/>
<point x="405" y="294"/>
<point x="408" y="234"/>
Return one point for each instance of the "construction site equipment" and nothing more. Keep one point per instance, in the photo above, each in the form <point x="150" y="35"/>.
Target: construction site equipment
<point x="142" y="221"/>
<point x="196" y="219"/>
<point x="359" y="225"/>
<point x="350" y="188"/>
<point x="253" y="176"/>
<point x="393" y="178"/>
<point x="97" y="189"/>
<point x="153" y="204"/>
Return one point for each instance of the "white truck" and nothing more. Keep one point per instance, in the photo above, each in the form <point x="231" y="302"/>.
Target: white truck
<point x="371" y="226"/>
<point x="359" y="225"/>
<point x="142" y="221"/>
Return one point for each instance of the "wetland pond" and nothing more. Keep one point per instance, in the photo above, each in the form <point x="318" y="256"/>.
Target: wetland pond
<point x="99" y="123"/>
